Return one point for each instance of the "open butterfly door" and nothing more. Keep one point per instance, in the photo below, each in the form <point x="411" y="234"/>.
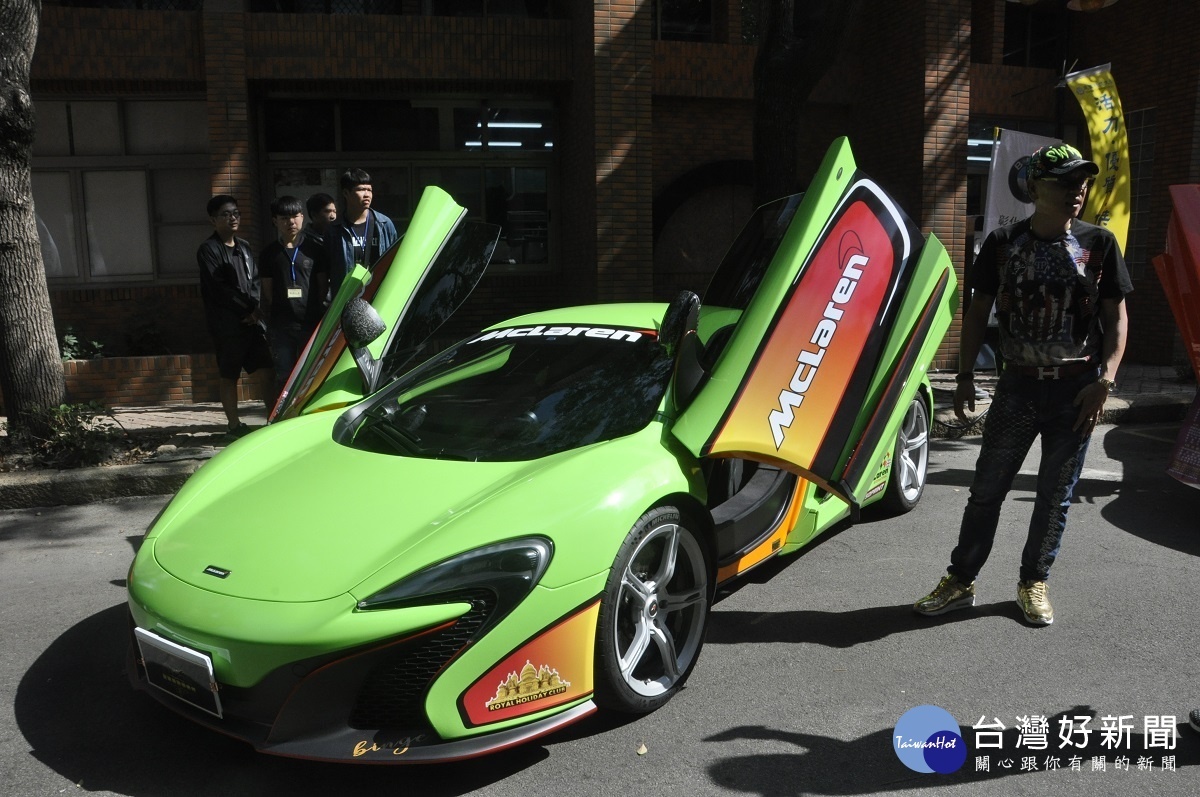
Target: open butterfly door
<point x="413" y="287"/>
<point x="844" y="305"/>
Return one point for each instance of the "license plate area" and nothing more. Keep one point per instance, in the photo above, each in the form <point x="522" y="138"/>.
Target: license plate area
<point x="179" y="671"/>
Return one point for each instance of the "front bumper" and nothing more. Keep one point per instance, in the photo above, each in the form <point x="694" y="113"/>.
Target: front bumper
<point x="364" y="704"/>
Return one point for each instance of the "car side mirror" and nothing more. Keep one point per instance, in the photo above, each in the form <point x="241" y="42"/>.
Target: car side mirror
<point x="681" y="317"/>
<point x="361" y="325"/>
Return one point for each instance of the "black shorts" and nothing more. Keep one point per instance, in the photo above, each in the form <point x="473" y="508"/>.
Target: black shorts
<point x="244" y="348"/>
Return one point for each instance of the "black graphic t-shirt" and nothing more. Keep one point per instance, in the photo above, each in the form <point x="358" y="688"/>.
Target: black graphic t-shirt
<point x="1048" y="293"/>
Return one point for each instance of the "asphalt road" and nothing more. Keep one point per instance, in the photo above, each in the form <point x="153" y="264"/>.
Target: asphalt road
<point x="806" y="671"/>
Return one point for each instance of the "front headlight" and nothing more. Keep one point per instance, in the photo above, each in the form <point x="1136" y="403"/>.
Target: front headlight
<point x="503" y="573"/>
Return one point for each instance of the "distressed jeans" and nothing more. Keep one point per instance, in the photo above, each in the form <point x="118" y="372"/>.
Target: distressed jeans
<point x="1023" y="408"/>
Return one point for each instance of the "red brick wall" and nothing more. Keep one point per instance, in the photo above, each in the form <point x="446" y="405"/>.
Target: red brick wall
<point x="944" y="164"/>
<point x="127" y="319"/>
<point x="408" y="48"/>
<point x="92" y="47"/>
<point x="141" y="381"/>
<point x="233" y="156"/>
<point x="624" y="150"/>
<point x="690" y="132"/>
<point x="146" y="381"/>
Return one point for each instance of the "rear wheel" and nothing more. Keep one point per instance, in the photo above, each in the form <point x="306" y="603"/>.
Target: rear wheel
<point x="652" y="615"/>
<point x="910" y="460"/>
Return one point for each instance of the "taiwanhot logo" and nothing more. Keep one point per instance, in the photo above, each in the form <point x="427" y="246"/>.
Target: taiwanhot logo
<point x="927" y="739"/>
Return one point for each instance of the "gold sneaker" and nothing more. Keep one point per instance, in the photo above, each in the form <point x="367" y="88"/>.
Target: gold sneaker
<point x="1034" y="600"/>
<point x="948" y="595"/>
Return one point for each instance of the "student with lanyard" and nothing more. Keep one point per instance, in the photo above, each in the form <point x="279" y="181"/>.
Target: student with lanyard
<point x="362" y="234"/>
<point x="295" y="269"/>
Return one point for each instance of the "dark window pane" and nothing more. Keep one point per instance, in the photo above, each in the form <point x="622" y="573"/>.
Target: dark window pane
<point x="457" y="8"/>
<point x="373" y="126"/>
<point x="299" y="125"/>
<point x="516" y="198"/>
<point x="1035" y="35"/>
<point x="460" y="182"/>
<point x="506" y="129"/>
<point x="684" y="20"/>
<point x="326" y="6"/>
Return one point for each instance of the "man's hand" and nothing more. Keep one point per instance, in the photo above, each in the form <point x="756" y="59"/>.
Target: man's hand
<point x="964" y="393"/>
<point x="1090" y="402"/>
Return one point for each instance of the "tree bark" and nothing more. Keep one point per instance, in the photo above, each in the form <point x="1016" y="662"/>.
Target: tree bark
<point x="31" y="374"/>
<point x="798" y="43"/>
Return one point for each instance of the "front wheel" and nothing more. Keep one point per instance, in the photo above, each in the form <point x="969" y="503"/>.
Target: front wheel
<point x="652" y="615"/>
<point x="910" y="460"/>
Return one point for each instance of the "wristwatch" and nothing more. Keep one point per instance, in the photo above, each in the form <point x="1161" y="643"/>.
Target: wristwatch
<point x="1109" y="385"/>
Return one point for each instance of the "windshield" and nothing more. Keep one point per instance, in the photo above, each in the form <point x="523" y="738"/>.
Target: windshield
<point x="517" y="394"/>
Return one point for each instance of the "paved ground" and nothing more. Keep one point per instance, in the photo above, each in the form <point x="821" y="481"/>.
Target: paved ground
<point x="1145" y="394"/>
<point x="807" y="667"/>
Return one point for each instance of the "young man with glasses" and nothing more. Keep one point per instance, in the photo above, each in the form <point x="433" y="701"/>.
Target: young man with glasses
<point x="1059" y="285"/>
<point x="231" y="290"/>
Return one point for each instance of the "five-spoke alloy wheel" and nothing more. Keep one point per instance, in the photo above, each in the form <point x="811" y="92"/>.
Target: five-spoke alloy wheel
<point x="653" y="614"/>
<point x="910" y="460"/>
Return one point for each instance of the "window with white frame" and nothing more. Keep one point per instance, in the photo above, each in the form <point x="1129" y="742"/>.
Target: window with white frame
<point x="119" y="188"/>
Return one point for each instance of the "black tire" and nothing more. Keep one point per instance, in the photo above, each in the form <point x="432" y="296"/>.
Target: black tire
<point x="910" y="459"/>
<point x="653" y="614"/>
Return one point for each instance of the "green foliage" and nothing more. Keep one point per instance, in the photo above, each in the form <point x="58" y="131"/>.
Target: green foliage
<point x="74" y="347"/>
<point x="69" y="435"/>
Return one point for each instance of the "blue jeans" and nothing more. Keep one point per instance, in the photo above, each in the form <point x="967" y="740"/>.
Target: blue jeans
<point x="1021" y="409"/>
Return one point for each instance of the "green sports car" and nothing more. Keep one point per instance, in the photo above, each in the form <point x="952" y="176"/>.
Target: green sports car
<point x="419" y="561"/>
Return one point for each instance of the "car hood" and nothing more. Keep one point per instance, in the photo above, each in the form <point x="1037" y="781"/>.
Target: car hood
<point x="287" y="514"/>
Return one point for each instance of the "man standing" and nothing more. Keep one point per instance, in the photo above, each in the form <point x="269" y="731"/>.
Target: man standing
<point x="294" y="272"/>
<point x="1059" y="285"/>
<point x="230" y="289"/>
<point x="322" y="212"/>
<point x="362" y="235"/>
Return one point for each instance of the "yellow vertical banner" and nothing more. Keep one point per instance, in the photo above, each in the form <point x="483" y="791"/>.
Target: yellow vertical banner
<point x="1108" y="203"/>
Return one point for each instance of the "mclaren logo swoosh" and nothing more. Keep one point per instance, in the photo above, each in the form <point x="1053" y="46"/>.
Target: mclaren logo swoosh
<point x="853" y="259"/>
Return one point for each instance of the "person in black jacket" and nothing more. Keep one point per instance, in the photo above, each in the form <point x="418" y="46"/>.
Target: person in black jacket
<point x="231" y="290"/>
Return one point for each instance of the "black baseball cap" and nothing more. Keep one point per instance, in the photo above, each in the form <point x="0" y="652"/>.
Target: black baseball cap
<point x="1056" y="160"/>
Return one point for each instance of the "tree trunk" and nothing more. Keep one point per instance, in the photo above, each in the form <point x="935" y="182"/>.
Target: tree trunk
<point x="798" y="43"/>
<point x="31" y="374"/>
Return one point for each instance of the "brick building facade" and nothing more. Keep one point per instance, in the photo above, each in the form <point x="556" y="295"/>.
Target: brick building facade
<point x="647" y="176"/>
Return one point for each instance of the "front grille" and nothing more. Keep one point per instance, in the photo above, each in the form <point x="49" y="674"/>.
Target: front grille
<point x="393" y="693"/>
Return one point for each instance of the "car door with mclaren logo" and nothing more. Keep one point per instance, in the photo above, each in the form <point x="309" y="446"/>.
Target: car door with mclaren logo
<point x="413" y="288"/>
<point x="844" y="303"/>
